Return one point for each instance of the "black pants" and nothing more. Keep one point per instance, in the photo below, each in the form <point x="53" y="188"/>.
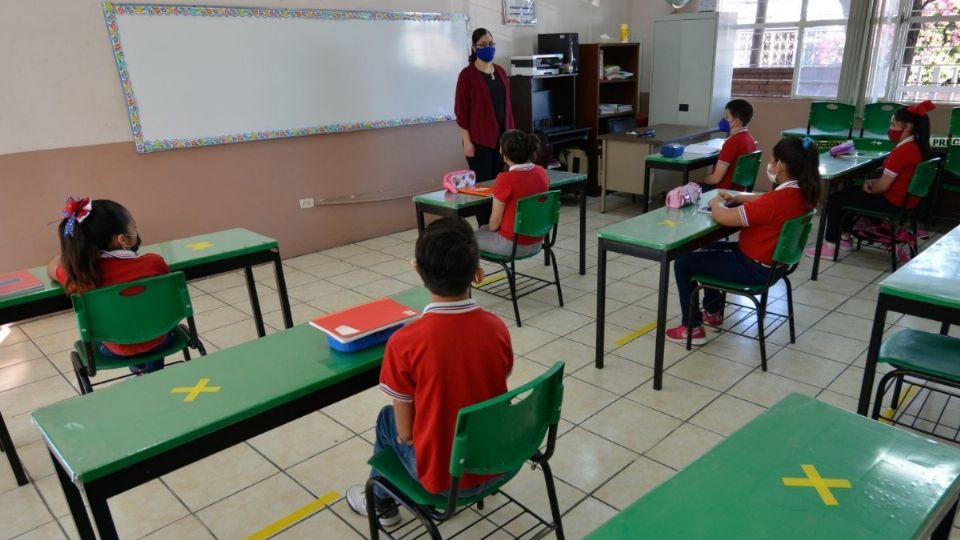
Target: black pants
<point x="852" y="196"/>
<point x="486" y="163"/>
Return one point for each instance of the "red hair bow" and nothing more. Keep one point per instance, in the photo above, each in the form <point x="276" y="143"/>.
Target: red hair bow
<point x="75" y="211"/>
<point x="922" y="108"/>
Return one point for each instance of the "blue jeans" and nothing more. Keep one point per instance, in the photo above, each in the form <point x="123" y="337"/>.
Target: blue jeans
<point x="387" y="438"/>
<point x="146" y="367"/>
<point x="721" y="260"/>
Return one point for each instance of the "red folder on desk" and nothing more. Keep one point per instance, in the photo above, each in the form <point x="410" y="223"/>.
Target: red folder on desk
<point x="18" y="282"/>
<point x="478" y="191"/>
<point x="363" y="320"/>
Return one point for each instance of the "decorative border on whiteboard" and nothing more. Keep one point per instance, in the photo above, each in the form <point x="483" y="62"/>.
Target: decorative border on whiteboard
<point x="111" y="10"/>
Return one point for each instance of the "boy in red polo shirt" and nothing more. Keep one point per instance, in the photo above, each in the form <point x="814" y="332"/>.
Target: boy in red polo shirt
<point x="455" y="355"/>
<point x="737" y="113"/>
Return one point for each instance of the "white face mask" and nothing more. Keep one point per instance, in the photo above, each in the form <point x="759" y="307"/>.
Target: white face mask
<point x="772" y="176"/>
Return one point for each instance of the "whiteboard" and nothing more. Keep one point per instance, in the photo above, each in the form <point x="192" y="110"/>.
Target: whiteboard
<point x="196" y="76"/>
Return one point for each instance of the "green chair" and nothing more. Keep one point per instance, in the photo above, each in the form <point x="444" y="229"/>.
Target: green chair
<point x="494" y="437"/>
<point x="537" y="215"/>
<point x="786" y="258"/>
<point x="745" y="171"/>
<point x="831" y="118"/>
<point x="923" y="178"/>
<point x="132" y="312"/>
<point x="922" y="356"/>
<point x="876" y="119"/>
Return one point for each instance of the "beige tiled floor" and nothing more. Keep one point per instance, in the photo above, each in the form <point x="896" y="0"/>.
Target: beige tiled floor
<point x="619" y="437"/>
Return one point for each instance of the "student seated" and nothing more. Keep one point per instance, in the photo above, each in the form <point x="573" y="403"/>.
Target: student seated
<point x="737" y="113"/>
<point x="522" y="179"/>
<point x="455" y="355"/>
<point x="98" y="247"/>
<point x="793" y="171"/>
<point x="910" y="130"/>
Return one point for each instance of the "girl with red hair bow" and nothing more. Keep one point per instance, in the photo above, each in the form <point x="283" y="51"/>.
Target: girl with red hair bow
<point x="910" y="131"/>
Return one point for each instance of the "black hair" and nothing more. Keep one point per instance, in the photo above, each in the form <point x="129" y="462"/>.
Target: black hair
<point x="920" y="124"/>
<point x="474" y="38"/>
<point x="740" y="109"/>
<point x="803" y="165"/>
<point x="447" y="256"/>
<point x="80" y="252"/>
<point x="519" y="147"/>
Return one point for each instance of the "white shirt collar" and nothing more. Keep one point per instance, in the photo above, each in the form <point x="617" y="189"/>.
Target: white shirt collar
<point x="460" y="306"/>
<point x="788" y="184"/>
<point x="522" y="167"/>
<point x="118" y="254"/>
<point x="905" y="141"/>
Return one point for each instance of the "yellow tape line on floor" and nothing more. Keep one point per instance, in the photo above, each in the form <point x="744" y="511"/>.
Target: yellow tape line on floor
<point x="489" y="280"/>
<point x="635" y="334"/>
<point x="886" y="414"/>
<point x="294" y="517"/>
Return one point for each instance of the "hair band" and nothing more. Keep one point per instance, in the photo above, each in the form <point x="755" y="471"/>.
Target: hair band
<point x="75" y="211"/>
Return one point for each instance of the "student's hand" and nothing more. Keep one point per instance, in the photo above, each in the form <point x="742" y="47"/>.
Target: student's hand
<point x="868" y="186"/>
<point x="718" y="202"/>
<point x="729" y="199"/>
<point x="468" y="149"/>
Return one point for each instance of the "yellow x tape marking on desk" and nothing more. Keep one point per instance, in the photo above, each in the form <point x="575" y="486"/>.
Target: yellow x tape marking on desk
<point x="199" y="246"/>
<point x="635" y="334"/>
<point x="194" y="391"/>
<point x="669" y="223"/>
<point x="822" y="485"/>
<point x="294" y="517"/>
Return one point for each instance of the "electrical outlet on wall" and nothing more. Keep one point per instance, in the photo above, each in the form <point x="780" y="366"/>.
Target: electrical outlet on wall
<point x="306" y="203"/>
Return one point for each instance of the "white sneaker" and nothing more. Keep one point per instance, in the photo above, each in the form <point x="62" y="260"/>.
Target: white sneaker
<point x="357" y="501"/>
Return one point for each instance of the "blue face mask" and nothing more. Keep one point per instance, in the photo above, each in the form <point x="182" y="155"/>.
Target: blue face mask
<point x="486" y="53"/>
<point x="724" y="125"/>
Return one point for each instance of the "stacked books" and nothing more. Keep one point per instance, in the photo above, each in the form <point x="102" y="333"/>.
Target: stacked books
<point x="613" y="72"/>
<point x="364" y="326"/>
<point x="18" y="282"/>
<point x="613" y="108"/>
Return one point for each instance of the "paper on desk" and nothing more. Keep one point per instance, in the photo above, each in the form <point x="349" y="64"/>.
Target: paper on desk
<point x="704" y="148"/>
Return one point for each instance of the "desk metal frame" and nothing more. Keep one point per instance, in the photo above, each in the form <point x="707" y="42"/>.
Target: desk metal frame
<point x="684" y="168"/>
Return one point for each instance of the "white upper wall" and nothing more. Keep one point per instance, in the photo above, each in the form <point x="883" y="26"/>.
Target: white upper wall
<point x="60" y="86"/>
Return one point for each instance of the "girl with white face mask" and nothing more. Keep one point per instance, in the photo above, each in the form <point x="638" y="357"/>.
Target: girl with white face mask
<point x="797" y="186"/>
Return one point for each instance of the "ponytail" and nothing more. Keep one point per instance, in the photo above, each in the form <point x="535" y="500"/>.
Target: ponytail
<point x="916" y="116"/>
<point x="519" y="147"/>
<point x="82" y="242"/>
<point x="802" y="160"/>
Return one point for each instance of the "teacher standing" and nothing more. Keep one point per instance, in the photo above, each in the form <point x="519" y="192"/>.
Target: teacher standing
<point x="483" y="110"/>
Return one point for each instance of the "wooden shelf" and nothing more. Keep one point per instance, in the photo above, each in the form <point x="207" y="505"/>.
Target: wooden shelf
<point x="617" y="114"/>
<point x="615" y="81"/>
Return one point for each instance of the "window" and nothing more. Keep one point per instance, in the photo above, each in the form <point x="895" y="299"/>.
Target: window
<point x="788" y="47"/>
<point x="926" y="60"/>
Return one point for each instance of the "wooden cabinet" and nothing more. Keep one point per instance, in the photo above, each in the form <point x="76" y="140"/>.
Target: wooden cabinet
<point x="594" y="90"/>
<point x="546" y="105"/>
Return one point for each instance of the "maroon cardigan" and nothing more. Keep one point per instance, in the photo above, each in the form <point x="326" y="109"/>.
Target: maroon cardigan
<point x="474" y="106"/>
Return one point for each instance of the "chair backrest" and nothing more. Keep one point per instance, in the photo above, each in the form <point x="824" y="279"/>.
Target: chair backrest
<point x="133" y="312"/>
<point x="876" y="116"/>
<point x="952" y="163"/>
<point x="621" y="125"/>
<point x="923" y="177"/>
<point x="954" y="129"/>
<point x="831" y="116"/>
<point x="537" y="214"/>
<point x="498" y="435"/>
<point x="746" y="169"/>
<point x="793" y="238"/>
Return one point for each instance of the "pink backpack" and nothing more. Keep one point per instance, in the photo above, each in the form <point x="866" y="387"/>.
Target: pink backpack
<point x="454" y="180"/>
<point x="681" y="196"/>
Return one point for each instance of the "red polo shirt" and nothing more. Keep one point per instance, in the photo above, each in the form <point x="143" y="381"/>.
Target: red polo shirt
<point x="474" y="106"/>
<point x="734" y="146"/>
<point x="763" y="218"/>
<point x="454" y="356"/>
<point x="519" y="182"/>
<point x="900" y="164"/>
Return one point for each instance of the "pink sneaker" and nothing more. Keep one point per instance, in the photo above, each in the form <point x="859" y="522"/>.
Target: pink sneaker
<point x="679" y="335"/>
<point x="903" y="254"/>
<point x="846" y="242"/>
<point x="826" y="251"/>
<point x="715" y="319"/>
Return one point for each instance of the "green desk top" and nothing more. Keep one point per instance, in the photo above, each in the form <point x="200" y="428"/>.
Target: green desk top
<point x="833" y="167"/>
<point x="455" y="201"/>
<point x="179" y="254"/>
<point x="664" y="228"/>
<point x="899" y="482"/>
<point x="123" y="424"/>
<point x="932" y="277"/>
<point x="683" y="159"/>
<point x="816" y="133"/>
<point x="937" y="140"/>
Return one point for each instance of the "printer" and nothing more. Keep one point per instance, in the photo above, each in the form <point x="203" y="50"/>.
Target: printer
<point x="536" y="64"/>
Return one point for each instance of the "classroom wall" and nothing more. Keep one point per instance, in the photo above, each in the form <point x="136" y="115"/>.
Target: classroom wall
<point x="64" y="131"/>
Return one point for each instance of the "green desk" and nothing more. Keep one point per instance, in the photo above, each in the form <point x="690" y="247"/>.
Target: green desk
<point x="661" y="235"/>
<point x="901" y="485"/>
<point x="835" y="172"/>
<point x="683" y="163"/>
<point x="444" y="203"/>
<point x="826" y="139"/>
<point x="197" y="257"/>
<point x="928" y="286"/>
<point x="128" y="434"/>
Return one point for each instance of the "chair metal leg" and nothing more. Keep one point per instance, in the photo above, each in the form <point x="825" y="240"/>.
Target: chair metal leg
<point x="512" y="280"/>
<point x="693" y="294"/>
<point x="552" y="497"/>
<point x="186" y="354"/>
<point x="893" y="246"/>
<point x="371" y="512"/>
<point x="556" y="275"/>
<point x="761" y="308"/>
<point x="793" y="334"/>
<point x="6" y="446"/>
<point x="897" y="388"/>
<point x="83" y="380"/>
